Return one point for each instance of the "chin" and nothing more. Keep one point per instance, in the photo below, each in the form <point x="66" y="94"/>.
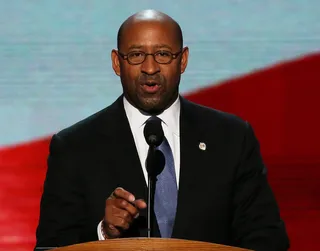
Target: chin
<point x="152" y="108"/>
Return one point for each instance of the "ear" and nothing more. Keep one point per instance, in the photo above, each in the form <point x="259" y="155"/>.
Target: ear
<point x="115" y="62"/>
<point x="184" y="59"/>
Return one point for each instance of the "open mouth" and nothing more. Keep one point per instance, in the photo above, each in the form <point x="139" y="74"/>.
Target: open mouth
<point x="151" y="87"/>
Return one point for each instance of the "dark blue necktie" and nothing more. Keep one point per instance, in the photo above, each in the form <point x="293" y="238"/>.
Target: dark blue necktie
<point x="166" y="193"/>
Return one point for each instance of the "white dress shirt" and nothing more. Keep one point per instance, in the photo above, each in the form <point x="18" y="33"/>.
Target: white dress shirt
<point x="171" y="128"/>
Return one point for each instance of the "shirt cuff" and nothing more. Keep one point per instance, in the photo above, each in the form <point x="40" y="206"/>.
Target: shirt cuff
<point x="99" y="231"/>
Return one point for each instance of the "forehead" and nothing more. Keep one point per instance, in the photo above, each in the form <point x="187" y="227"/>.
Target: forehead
<point x="148" y="35"/>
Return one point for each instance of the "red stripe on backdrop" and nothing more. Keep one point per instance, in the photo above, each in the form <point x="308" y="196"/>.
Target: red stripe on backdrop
<point x="22" y="171"/>
<point x="281" y="104"/>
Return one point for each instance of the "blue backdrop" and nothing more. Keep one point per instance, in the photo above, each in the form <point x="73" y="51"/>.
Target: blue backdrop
<point x="55" y="54"/>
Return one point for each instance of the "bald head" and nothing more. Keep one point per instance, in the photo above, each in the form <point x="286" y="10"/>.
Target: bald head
<point x="149" y="16"/>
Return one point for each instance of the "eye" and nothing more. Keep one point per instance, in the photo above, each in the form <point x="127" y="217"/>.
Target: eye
<point x="163" y="54"/>
<point x="136" y="54"/>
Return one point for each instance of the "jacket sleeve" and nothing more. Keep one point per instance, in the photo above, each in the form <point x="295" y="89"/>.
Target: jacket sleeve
<point x="62" y="203"/>
<point x="256" y="223"/>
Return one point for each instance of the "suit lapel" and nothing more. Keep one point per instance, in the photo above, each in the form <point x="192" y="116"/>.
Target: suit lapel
<point x="128" y="168"/>
<point x="190" y="163"/>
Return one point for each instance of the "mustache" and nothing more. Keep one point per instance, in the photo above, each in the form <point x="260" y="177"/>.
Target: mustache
<point x="158" y="78"/>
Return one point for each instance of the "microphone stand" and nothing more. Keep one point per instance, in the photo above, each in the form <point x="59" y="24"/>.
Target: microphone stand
<point x="151" y="190"/>
<point x="150" y="206"/>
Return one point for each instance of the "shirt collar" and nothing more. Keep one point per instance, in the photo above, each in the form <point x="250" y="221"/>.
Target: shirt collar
<point x="170" y="116"/>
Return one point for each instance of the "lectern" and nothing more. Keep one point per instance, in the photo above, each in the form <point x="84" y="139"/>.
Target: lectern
<point x="148" y="244"/>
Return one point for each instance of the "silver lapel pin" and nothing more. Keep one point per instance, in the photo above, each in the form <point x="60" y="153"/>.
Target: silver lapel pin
<point x="202" y="146"/>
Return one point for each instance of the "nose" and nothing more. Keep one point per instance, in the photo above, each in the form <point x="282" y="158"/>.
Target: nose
<point x="150" y="66"/>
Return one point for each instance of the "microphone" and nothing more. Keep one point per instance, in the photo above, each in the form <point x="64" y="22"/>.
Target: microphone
<point x="153" y="132"/>
<point x="155" y="162"/>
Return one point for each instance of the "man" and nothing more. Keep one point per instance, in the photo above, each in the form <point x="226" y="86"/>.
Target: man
<point x="213" y="187"/>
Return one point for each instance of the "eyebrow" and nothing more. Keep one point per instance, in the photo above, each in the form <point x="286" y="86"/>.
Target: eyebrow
<point x="135" y="46"/>
<point x="157" y="46"/>
<point x="162" y="46"/>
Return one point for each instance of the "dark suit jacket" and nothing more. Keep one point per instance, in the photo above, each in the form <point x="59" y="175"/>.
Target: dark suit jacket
<point x="223" y="194"/>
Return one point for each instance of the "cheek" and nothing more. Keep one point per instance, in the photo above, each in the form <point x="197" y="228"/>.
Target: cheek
<point x="129" y="75"/>
<point x="172" y="77"/>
